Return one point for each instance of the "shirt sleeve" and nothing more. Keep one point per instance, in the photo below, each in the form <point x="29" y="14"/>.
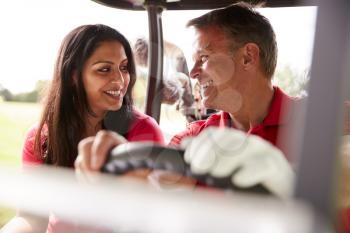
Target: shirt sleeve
<point x="193" y="129"/>
<point x="28" y="156"/>
<point x="145" y="129"/>
<point x="346" y="220"/>
<point x="176" y="139"/>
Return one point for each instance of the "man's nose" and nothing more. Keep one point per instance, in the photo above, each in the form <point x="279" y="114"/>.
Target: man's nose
<point x="195" y="71"/>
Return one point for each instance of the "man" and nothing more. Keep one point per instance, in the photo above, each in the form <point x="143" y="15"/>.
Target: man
<point x="234" y="61"/>
<point x="235" y="58"/>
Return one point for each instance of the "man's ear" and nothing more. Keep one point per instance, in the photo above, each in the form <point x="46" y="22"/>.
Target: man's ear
<point x="251" y="55"/>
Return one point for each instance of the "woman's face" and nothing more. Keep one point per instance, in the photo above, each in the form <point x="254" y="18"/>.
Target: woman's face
<point x="106" y="77"/>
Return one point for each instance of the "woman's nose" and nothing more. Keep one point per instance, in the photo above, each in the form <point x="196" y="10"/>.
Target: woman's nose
<point x="118" y="79"/>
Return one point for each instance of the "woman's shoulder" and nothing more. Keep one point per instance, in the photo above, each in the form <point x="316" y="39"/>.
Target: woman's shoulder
<point x="139" y="115"/>
<point x="33" y="130"/>
<point x="144" y="128"/>
<point x="28" y="152"/>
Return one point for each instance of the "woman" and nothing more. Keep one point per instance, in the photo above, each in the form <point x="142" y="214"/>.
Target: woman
<point x="94" y="74"/>
<point x="93" y="77"/>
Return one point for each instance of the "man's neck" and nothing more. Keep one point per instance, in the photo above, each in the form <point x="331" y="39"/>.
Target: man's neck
<point x="256" y="106"/>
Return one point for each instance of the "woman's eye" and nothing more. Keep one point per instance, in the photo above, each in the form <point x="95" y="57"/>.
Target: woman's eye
<point x="124" y="69"/>
<point x="104" y="69"/>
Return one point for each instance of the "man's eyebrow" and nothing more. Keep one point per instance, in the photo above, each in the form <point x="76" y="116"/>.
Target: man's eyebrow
<point x="205" y="47"/>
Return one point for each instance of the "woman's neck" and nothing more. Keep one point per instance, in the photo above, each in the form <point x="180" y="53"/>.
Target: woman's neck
<point x="93" y="125"/>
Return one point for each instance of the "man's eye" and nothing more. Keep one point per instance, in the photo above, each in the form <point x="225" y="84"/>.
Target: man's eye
<point x="204" y="58"/>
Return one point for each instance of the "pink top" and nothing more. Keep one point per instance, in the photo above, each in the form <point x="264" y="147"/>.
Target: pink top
<point x="143" y="128"/>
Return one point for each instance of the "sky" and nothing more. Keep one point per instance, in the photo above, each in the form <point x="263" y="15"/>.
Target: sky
<point x="33" y="30"/>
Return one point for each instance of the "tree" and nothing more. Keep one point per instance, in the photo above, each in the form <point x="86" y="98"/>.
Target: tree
<point x="34" y="95"/>
<point x="5" y="93"/>
<point x="292" y="82"/>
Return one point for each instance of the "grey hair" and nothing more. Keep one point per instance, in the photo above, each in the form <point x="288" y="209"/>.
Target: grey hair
<point x="243" y="24"/>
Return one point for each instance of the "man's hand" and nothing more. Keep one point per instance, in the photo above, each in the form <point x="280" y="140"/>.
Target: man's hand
<point x="93" y="151"/>
<point x="248" y="159"/>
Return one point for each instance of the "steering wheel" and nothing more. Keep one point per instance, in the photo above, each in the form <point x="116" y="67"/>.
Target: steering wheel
<point x="147" y="155"/>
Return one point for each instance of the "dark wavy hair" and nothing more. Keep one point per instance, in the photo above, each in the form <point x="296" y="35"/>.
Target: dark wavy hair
<point x="66" y="105"/>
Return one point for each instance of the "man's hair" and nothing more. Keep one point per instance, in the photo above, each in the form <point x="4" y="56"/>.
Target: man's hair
<point x="242" y="24"/>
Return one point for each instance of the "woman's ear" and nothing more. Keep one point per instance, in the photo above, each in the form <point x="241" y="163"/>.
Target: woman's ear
<point x="75" y="78"/>
<point x="251" y="55"/>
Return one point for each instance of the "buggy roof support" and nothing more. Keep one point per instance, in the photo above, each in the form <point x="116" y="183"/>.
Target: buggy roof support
<point x="155" y="61"/>
<point x="138" y="5"/>
<point x="320" y="131"/>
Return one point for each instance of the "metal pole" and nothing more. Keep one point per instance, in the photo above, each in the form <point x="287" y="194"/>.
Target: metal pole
<point x="155" y="61"/>
<point x="322" y="128"/>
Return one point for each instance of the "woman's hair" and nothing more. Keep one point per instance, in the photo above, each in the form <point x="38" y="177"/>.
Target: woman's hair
<point x="66" y="106"/>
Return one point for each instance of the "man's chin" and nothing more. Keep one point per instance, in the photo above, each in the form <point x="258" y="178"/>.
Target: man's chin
<point x="209" y="104"/>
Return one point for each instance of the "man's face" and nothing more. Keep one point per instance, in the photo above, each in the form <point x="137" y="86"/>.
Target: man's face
<point x="216" y="68"/>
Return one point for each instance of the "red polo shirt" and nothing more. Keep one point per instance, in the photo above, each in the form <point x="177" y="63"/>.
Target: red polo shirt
<point x="273" y="126"/>
<point x="346" y="220"/>
<point x="269" y="129"/>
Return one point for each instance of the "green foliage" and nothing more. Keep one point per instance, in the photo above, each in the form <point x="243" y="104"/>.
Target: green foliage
<point x="26" y="97"/>
<point x="292" y="82"/>
<point x="5" y="94"/>
<point x="32" y="96"/>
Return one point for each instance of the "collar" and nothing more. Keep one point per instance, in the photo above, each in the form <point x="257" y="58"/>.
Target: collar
<point x="279" y="112"/>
